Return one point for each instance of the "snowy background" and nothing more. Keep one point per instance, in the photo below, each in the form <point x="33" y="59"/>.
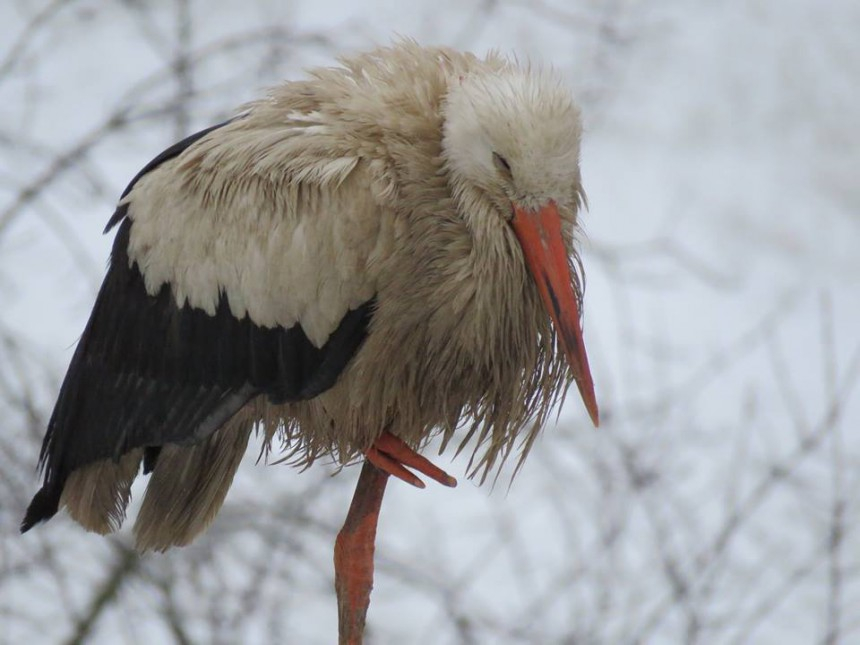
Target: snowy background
<point x="718" y="502"/>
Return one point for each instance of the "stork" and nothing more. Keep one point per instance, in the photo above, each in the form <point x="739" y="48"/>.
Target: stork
<point x="359" y="261"/>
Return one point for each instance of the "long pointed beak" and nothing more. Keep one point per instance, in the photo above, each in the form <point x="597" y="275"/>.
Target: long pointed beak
<point x="539" y="233"/>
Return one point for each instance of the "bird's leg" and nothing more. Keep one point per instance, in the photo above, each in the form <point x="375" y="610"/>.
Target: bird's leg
<point x="353" y="554"/>
<point x="391" y="454"/>
<point x="353" y="549"/>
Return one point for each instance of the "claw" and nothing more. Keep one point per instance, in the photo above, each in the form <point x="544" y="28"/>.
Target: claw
<point x="392" y="455"/>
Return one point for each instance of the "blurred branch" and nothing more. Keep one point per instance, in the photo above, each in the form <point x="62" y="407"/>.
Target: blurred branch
<point x="719" y="361"/>
<point x="123" y="567"/>
<point x="627" y="261"/>
<point x="838" y="528"/>
<point x="171" y="610"/>
<point x="778" y="472"/>
<point x="15" y="53"/>
<point x="59" y="165"/>
<point x="120" y="116"/>
<point x="553" y="13"/>
<point x="476" y="23"/>
<point x="183" y="69"/>
<point x="756" y="613"/>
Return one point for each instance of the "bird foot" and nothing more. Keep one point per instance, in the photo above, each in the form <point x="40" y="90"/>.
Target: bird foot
<point x="391" y="455"/>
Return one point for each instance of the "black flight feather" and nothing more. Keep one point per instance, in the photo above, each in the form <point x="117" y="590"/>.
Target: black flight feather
<point x="147" y="372"/>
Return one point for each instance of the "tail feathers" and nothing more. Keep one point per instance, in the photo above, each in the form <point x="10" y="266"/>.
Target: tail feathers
<point x="98" y="494"/>
<point x="188" y="486"/>
<point x="185" y="492"/>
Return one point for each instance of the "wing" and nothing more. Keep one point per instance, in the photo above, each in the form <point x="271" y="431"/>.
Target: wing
<point x="223" y="285"/>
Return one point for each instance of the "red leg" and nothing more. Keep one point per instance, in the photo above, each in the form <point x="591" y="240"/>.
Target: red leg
<point x="391" y="454"/>
<point x="353" y="554"/>
<point x="353" y="549"/>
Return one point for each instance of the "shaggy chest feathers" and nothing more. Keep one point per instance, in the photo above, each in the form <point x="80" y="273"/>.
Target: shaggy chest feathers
<point x="471" y="318"/>
<point x="451" y="309"/>
<point x="332" y="212"/>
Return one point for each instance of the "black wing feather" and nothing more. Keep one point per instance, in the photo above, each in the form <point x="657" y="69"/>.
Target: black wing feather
<point x="147" y="372"/>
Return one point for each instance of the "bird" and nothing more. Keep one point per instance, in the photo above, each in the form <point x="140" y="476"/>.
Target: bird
<point x="381" y="253"/>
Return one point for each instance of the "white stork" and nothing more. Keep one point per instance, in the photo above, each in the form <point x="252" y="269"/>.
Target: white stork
<point x="355" y="262"/>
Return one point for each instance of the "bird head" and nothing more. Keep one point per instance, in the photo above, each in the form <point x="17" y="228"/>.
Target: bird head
<point x="511" y="141"/>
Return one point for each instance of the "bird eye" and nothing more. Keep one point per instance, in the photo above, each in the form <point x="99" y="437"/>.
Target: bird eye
<point x="502" y="166"/>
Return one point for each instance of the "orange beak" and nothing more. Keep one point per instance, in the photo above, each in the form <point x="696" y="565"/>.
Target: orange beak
<point x="539" y="233"/>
